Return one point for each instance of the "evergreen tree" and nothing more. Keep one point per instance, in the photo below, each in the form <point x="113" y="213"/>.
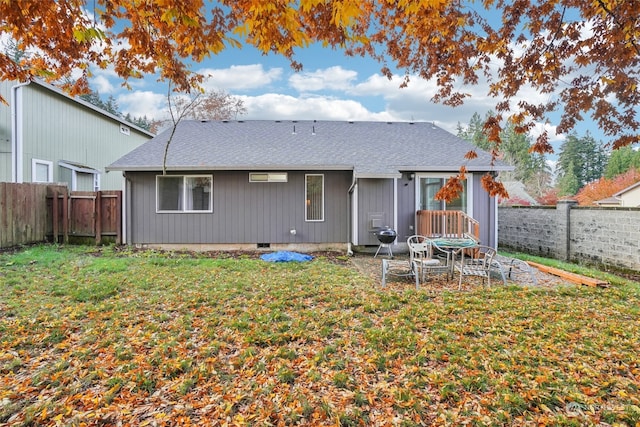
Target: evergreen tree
<point x="93" y="98"/>
<point x="111" y="106"/>
<point x="515" y="147"/>
<point x="569" y="184"/>
<point x="13" y="52"/>
<point x="582" y="157"/>
<point x="621" y="160"/>
<point x="530" y="168"/>
<point x="142" y="122"/>
<point x="473" y="131"/>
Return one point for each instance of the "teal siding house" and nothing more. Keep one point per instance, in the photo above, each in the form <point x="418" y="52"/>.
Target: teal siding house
<point x="48" y="136"/>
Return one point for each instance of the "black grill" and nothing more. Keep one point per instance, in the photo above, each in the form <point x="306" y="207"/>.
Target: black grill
<point x="386" y="235"/>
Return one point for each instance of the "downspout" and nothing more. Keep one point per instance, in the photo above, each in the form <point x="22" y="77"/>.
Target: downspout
<point x="16" y="133"/>
<point x="350" y="213"/>
<point x="496" y="224"/>
<point x="395" y="208"/>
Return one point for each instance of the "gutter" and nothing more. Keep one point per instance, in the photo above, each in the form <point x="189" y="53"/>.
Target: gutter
<point x="16" y="133"/>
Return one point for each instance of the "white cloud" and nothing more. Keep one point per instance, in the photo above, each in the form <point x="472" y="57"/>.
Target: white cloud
<point x="143" y="103"/>
<point x="278" y="106"/>
<point x="240" y="77"/>
<point x="414" y="102"/>
<point x="375" y="98"/>
<point x="332" y="78"/>
<point x="102" y="85"/>
<point x="551" y="132"/>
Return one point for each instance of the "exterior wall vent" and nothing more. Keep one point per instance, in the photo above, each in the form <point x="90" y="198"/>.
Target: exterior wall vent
<point x="264" y="245"/>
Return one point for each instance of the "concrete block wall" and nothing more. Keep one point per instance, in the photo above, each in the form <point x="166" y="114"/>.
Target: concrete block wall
<point x="529" y="229"/>
<point x="608" y="236"/>
<point x="600" y="236"/>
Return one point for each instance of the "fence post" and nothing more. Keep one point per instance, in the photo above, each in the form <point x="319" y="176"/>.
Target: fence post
<point x="97" y="203"/>
<point x="54" y="215"/>
<point x="564" y="228"/>
<point x="119" y="218"/>
<point x="65" y="216"/>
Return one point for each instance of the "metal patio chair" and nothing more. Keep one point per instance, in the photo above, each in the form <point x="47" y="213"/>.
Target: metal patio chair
<point x="421" y="253"/>
<point x="477" y="261"/>
<point x="399" y="268"/>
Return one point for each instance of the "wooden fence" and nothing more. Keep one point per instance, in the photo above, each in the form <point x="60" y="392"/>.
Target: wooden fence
<point x="86" y="214"/>
<point x="31" y="213"/>
<point x="23" y="212"/>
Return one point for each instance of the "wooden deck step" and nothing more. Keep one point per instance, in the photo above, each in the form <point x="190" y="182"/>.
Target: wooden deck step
<point x="572" y="277"/>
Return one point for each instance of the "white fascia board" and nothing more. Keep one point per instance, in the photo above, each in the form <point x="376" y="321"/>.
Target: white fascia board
<point x="77" y="168"/>
<point x="256" y="168"/>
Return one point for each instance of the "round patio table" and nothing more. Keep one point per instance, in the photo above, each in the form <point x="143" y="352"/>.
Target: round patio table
<point x="452" y="247"/>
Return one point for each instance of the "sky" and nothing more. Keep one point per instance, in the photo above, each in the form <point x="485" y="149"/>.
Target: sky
<point x="331" y="86"/>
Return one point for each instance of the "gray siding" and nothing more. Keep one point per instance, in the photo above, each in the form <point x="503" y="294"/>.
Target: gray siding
<point x="243" y="212"/>
<point x="406" y="208"/>
<point x="484" y="211"/>
<point x="375" y="203"/>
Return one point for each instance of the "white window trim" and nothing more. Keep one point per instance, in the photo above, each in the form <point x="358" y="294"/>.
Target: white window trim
<point x="469" y="179"/>
<point x="271" y="177"/>
<point x="184" y="194"/>
<point x="34" y="163"/>
<point x="305" y="198"/>
<point x="75" y="170"/>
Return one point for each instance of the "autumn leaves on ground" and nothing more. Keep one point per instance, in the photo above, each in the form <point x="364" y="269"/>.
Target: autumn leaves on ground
<point x="104" y="337"/>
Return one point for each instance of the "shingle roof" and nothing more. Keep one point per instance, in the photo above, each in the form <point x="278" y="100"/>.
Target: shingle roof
<point x="373" y="149"/>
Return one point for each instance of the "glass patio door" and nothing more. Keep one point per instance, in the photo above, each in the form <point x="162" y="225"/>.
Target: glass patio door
<point x="429" y="187"/>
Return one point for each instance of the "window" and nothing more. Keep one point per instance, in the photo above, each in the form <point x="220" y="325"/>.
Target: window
<point x="429" y="186"/>
<point x="268" y="177"/>
<point x="314" y="197"/>
<point x="41" y="171"/>
<point x="191" y="193"/>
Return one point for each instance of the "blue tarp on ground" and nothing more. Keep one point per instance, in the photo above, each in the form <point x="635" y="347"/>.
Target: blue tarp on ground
<point x="285" y="256"/>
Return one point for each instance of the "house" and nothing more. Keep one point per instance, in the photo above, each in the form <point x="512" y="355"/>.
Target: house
<point x="48" y="136"/>
<point x="518" y="194"/>
<point x="296" y="184"/>
<point x="627" y="197"/>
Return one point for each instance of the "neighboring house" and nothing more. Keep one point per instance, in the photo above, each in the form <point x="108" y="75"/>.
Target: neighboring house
<point x="305" y="184"/>
<point x="628" y="197"/>
<point x="48" y="136"/>
<point x="518" y="194"/>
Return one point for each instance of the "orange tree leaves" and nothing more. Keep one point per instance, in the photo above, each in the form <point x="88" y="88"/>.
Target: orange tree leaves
<point x="581" y="56"/>
<point x="605" y="187"/>
<point x="111" y="336"/>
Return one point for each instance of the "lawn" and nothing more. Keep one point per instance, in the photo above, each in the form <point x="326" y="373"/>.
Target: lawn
<point x="105" y="336"/>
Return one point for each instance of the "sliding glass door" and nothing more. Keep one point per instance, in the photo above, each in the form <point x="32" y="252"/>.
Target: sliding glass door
<point x="428" y="188"/>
